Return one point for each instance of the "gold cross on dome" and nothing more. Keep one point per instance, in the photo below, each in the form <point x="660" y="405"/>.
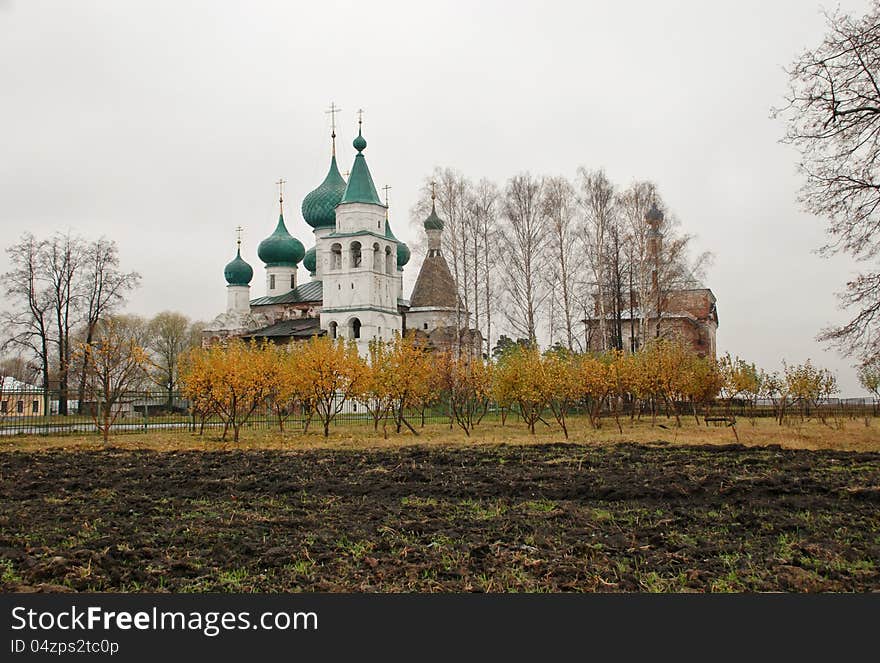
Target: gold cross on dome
<point x="386" y="189"/>
<point x="238" y="231"/>
<point x="360" y="116"/>
<point x="433" y="189"/>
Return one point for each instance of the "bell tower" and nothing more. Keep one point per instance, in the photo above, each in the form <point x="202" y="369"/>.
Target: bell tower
<point x="361" y="282"/>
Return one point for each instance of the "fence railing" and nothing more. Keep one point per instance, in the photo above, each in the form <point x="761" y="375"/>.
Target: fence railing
<point x="143" y="411"/>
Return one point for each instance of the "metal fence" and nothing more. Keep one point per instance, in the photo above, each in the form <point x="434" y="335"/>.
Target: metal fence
<point x="144" y="411"/>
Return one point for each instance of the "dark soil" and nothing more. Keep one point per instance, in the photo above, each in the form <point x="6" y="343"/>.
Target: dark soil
<point x="502" y="518"/>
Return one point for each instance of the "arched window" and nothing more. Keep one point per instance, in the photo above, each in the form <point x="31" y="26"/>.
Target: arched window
<point x="377" y="258"/>
<point x="355" y="250"/>
<point x="355" y="326"/>
<point x="333" y="330"/>
<point x="389" y="262"/>
<point x="336" y="256"/>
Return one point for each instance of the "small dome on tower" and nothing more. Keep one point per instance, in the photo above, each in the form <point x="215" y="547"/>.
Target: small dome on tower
<point x="359" y="143"/>
<point x="433" y="222"/>
<point x="654" y="215"/>
<point x="281" y="248"/>
<point x="319" y="205"/>
<point x="310" y="260"/>
<point x="238" y="272"/>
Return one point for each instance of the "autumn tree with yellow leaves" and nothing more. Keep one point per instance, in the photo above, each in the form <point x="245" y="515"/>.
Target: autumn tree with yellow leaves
<point x="521" y="374"/>
<point x="113" y="364"/>
<point x="466" y="382"/>
<point x="562" y="385"/>
<point x="285" y="382"/>
<point x="397" y="377"/>
<point x="232" y="380"/>
<point x="332" y="373"/>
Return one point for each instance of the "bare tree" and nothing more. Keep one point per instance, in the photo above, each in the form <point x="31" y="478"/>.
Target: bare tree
<point x="62" y="256"/>
<point x="30" y="322"/>
<point x="598" y="203"/>
<point x="19" y="368"/>
<point x="168" y="338"/>
<point x="833" y="118"/>
<point x="523" y="241"/>
<point x="560" y="208"/>
<point x="484" y="215"/>
<point x="102" y="288"/>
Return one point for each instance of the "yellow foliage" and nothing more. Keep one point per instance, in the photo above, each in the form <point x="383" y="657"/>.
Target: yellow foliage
<point x="231" y="380"/>
<point x="114" y="364"/>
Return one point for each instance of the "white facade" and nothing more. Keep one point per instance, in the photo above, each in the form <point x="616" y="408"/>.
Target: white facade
<point x="280" y="279"/>
<point x="361" y="283"/>
<point x="427" y="319"/>
<point x="238" y="300"/>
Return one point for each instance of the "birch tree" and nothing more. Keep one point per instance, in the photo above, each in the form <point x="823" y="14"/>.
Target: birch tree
<point x="560" y="209"/>
<point x="599" y="211"/>
<point x="523" y="242"/>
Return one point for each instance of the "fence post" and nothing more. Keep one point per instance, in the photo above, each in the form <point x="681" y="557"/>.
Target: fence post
<point x="146" y="410"/>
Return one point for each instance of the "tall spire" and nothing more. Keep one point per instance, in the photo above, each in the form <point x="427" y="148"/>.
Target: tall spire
<point x="360" y="187"/>
<point x="332" y="112"/>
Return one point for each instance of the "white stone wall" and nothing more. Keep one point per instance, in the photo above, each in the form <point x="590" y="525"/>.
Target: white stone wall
<point x="417" y="318"/>
<point x="354" y="217"/>
<point x="320" y="258"/>
<point x="238" y="299"/>
<point x="284" y="280"/>
<point x="366" y="292"/>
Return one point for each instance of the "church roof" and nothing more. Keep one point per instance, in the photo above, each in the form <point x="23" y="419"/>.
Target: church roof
<point x="294" y="328"/>
<point x="435" y="287"/>
<point x="319" y="206"/>
<point x="281" y="248"/>
<point x="312" y="291"/>
<point x="238" y="272"/>
<point x="433" y="222"/>
<point x="360" y="188"/>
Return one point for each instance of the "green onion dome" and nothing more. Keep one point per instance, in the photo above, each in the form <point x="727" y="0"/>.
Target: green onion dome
<point x="238" y="272"/>
<point x="281" y="248"/>
<point x="359" y="143"/>
<point x="403" y="252"/>
<point x="310" y="260"/>
<point x="319" y="206"/>
<point x="433" y="222"/>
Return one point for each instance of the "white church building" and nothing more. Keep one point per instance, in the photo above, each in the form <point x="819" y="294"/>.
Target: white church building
<point x="356" y="268"/>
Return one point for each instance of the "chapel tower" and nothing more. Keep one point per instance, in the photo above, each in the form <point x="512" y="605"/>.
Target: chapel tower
<point x="359" y="262"/>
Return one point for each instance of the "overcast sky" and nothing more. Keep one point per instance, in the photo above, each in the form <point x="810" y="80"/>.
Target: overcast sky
<point x="164" y="125"/>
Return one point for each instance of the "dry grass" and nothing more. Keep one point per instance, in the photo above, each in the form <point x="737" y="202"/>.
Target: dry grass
<point x="851" y="435"/>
